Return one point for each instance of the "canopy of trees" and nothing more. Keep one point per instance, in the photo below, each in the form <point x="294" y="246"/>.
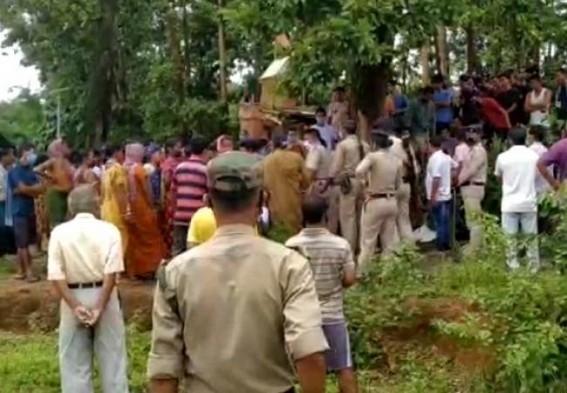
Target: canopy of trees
<point x="131" y="68"/>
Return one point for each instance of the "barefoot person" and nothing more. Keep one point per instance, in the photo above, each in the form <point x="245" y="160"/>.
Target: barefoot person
<point x="84" y="270"/>
<point x="24" y="185"/>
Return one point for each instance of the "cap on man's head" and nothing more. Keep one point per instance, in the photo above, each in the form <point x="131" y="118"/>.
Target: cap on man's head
<point x="234" y="171"/>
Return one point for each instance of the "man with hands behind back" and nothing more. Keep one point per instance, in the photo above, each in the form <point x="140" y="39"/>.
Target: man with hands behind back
<point x="84" y="259"/>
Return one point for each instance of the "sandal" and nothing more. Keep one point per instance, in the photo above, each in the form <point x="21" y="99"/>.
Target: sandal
<point x="33" y="279"/>
<point x="19" y="277"/>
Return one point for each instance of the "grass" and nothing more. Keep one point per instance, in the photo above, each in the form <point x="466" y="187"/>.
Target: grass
<point x="29" y="364"/>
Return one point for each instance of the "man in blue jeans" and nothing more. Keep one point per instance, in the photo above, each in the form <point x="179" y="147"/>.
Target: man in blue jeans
<point x="438" y="190"/>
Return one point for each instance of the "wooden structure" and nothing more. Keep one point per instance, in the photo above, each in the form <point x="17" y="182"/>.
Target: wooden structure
<point x="276" y="110"/>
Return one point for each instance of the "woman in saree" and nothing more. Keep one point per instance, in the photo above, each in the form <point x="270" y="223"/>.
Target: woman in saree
<point x="115" y="207"/>
<point x="145" y="250"/>
<point x="174" y="151"/>
<point x="59" y="174"/>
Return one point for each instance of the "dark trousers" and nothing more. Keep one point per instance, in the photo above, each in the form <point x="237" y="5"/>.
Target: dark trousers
<point x="441" y="213"/>
<point x="179" y="239"/>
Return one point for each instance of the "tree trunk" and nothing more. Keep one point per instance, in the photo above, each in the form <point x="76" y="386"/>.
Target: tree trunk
<point x="441" y="51"/>
<point x="471" y="49"/>
<point x="424" y="60"/>
<point x="222" y="56"/>
<point x="371" y="83"/>
<point x="535" y="57"/>
<point x="177" y="60"/>
<point x="186" y="48"/>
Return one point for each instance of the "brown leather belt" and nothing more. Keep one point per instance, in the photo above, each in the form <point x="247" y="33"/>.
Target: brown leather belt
<point x="473" y="183"/>
<point x="85" y="285"/>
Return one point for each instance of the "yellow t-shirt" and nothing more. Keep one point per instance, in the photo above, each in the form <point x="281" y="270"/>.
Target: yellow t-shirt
<point x="203" y="226"/>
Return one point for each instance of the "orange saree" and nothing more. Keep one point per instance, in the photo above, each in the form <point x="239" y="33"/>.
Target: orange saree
<point x="146" y="248"/>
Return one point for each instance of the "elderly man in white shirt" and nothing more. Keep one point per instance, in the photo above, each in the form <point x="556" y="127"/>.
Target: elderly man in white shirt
<point x="84" y="259"/>
<point x="517" y="169"/>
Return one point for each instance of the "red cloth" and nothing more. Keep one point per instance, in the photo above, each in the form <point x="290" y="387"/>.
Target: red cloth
<point x="492" y="113"/>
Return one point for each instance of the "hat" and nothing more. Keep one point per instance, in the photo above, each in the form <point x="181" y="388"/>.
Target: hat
<point x="234" y="171"/>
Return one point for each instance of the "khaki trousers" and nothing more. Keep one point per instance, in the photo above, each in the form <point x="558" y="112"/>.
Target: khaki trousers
<point x="378" y="220"/>
<point x="403" y="219"/>
<point x="333" y="209"/>
<point x="472" y="200"/>
<point x="350" y="206"/>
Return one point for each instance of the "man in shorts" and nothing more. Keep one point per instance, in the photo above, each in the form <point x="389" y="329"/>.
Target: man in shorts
<point x="333" y="267"/>
<point x="24" y="185"/>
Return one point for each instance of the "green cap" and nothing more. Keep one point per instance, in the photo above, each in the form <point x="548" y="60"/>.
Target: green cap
<point x="234" y="171"/>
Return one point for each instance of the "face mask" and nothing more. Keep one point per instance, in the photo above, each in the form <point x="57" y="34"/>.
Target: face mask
<point x="320" y="122"/>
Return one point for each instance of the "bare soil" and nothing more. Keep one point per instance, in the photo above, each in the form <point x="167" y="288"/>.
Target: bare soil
<point x="28" y="307"/>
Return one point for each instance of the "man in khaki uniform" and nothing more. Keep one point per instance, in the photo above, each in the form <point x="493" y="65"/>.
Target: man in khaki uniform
<point x="383" y="171"/>
<point x="318" y="164"/>
<point x="472" y="180"/>
<point x="348" y="155"/>
<point x="228" y="315"/>
<point x="404" y="151"/>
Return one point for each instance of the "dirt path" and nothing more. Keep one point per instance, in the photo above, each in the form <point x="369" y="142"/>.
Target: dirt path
<point x="30" y="307"/>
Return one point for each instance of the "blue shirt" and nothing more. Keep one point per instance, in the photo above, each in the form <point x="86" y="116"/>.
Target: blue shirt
<point x="443" y="114"/>
<point x="22" y="205"/>
<point x="400" y="102"/>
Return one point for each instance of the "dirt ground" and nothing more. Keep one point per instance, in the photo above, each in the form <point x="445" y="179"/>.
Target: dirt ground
<point x="25" y="307"/>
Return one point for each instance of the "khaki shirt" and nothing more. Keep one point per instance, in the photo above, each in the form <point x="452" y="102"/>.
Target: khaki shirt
<point x="475" y="171"/>
<point x="398" y="149"/>
<point x="84" y="250"/>
<point x="339" y="113"/>
<point x="347" y="156"/>
<point x="247" y="306"/>
<point x="319" y="161"/>
<point x="383" y="170"/>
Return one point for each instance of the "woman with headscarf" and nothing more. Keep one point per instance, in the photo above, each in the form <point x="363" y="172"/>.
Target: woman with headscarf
<point x="59" y="173"/>
<point x="145" y="250"/>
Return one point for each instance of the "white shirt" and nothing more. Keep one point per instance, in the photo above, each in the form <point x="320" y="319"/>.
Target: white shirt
<point x="84" y="250"/>
<point x="98" y="171"/>
<point x="440" y="166"/>
<point x="517" y="167"/>
<point x="329" y="135"/>
<point x="541" y="184"/>
<point x="3" y="178"/>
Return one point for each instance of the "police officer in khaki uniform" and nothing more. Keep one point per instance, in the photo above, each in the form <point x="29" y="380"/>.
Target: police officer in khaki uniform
<point x="318" y="164"/>
<point x="472" y="180"/>
<point x="404" y="151"/>
<point x="229" y="314"/>
<point x="349" y="153"/>
<point x="383" y="172"/>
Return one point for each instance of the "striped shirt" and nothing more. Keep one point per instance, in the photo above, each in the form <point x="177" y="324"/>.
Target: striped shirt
<point x="329" y="256"/>
<point x="189" y="186"/>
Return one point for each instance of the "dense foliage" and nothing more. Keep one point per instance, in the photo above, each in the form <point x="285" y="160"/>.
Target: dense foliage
<point x="151" y="69"/>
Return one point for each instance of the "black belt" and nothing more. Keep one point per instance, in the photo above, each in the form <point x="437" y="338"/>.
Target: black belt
<point x="85" y="285"/>
<point x="473" y="183"/>
<point x="382" y="196"/>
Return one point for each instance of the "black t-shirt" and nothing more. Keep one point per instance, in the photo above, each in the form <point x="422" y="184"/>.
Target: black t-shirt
<point x="469" y="109"/>
<point x="507" y="99"/>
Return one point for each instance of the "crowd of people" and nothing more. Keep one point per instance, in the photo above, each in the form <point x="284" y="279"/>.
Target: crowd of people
<point x="231" y="307"/>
